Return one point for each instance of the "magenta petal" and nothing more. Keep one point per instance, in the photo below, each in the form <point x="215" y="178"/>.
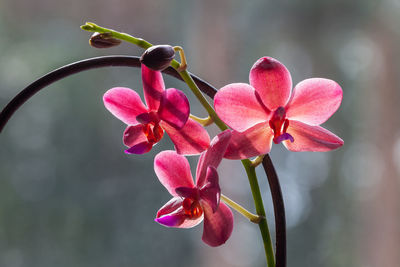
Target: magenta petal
<point x="311" y="138"/>
<point x="153" y="87"/>
<point x="134" y="135"/>
<point x="237" y="104"/>
<point x="254" y="142"/>
<point x="314" y="101"/>
<point x="218" y="225"/>
<point x="149" y="117"/>
<point x="174" y="108"/>
<point x="272" y="82"/>
<point x="211" y="192"/>
<point x="124" y="103"/>
<point x="192" y="139"/>
<point x="189" y="192"/>
<point x="173" y="171"/>
<point x="173" y="215"/>
<point x="212" y="156"/>
<point x="140" y="148"/>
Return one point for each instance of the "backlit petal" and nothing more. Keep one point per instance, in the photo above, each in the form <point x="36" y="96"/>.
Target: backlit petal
<point x="192" y="139"/>
<point x="153" y="86"/>
<point x="272" y="82"/>
<point x="124" y="103"/>
<point x="238" y="105"/>
<point x="134" y="135"/>
<point x="212" y="156"/>
<point x="314" y="101"/>
<point x="211" y="192"/>
<point x="173" y="171"/>
<point x="140" y="148"/>
<point x="173" y="215"/>
<point x="254" y="142"/>
<point x="311" y="138"/>
<point x="174" y="108"/>
<point x="218" y="225"/>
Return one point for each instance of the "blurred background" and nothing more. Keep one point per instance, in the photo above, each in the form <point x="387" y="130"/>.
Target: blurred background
<point x="69" y="196"/>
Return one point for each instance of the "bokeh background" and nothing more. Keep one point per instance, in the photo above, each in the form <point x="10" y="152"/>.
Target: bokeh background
<point x="69" y="196"/>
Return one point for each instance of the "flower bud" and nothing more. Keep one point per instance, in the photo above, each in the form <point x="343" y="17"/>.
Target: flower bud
<point x="158" y="57"/>
<point x="103" y="40"/>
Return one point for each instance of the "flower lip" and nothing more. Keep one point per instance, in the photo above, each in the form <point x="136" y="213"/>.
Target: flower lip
<point x="279" y="125"/>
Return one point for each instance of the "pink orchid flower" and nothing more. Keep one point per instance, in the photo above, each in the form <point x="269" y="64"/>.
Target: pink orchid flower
<point x="264" y="111"/>
<point x="193" y="202"/>
<point x="166" y="110"/>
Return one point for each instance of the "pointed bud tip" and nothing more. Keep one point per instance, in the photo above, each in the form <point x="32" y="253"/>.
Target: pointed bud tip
<point x="158" y="57"/>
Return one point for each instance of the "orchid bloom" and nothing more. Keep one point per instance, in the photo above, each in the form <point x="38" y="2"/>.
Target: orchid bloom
<point x="264" y="111"/>
<point x="193" y="202"/>
<point x="166" y="110"/>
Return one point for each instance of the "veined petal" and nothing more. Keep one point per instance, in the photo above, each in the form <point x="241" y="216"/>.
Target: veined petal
<point x="174" y="108"/>
<point x="218" y="225"/>
<point x="153" y="86"/>
<point x="140" y="148"/>
<point x="124" y="103"/>
<point x="254" y="142"/>
<point x="238" y="105"/>
<point x="212" y="156"/>
<point x="172" y="214"/>
<point x="134" y="135"/>
<point x="311" y="138"/>
<point x="314" y="101"/>
<point x="192" y="139"/>
<point x="272" y="82"/>
<point x="173" y="171"/>
<point x="211" y="192"/>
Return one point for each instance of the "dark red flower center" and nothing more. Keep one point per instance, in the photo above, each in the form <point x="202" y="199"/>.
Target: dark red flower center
<point x="153" y="132"/>
<point x="192" y="208"/>
<point x="279" y="124"/>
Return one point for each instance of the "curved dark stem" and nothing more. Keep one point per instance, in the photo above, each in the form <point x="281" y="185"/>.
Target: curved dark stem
<point x="132" y="61"/>
<point x="279" y="211"/>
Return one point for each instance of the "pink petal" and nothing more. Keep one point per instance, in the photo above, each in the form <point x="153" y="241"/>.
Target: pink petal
<point x="314" y="101"/>
<point x="238" y="105"/>
<point x="124" y="103"/>
<point x="140" y="148"/>
<point x="134" y="135"/>
<point x="173" y="215"/>
<point x="211" y="192"/>
<point x="212" y="156"/>
<point x="272" y="82"/>
<point x="153" y="86"/>
<point x="254" y="142"/>
<point x="218" y="225"/>
<point x="173" y="171"/>
<point x="311" y="138"/>
<point x="174" y="108"/>
<point x="192" y="139"/>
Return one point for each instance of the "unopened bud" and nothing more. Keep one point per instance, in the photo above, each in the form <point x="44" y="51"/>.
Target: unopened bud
<point x="103" y="40"/>
<point x="158" y="57"/>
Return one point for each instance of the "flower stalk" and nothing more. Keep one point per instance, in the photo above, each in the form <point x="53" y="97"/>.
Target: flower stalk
<point x="252" y="217"/>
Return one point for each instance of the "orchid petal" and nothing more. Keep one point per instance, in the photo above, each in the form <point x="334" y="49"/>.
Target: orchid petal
<point x="314" y="101"/>
<point x="134" y="135"/>
<point x="153" y="87"/>
<point x="238" y="105"/>
<point x="211" y="192"/>
<point x="173" y="171"/>
<point x="172" y="214"/>
<point x="254" y="142"/>
<point x="311" y="138"/>
<point x="218" y="225"/>
<point x="212" y="156"/>
<point x="174" y="108"/>
<point x="187" y="192"/>
<point x="192" y="139"/>
<point x="272" y="81"/>
<point x="124" y="103"/>
<point x="140" y="148"/>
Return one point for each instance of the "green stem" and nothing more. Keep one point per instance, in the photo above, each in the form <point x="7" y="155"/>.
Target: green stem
<point x="263" y="225"/>
<point x="252" y="217"/>
<point x="203" y="121"/>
